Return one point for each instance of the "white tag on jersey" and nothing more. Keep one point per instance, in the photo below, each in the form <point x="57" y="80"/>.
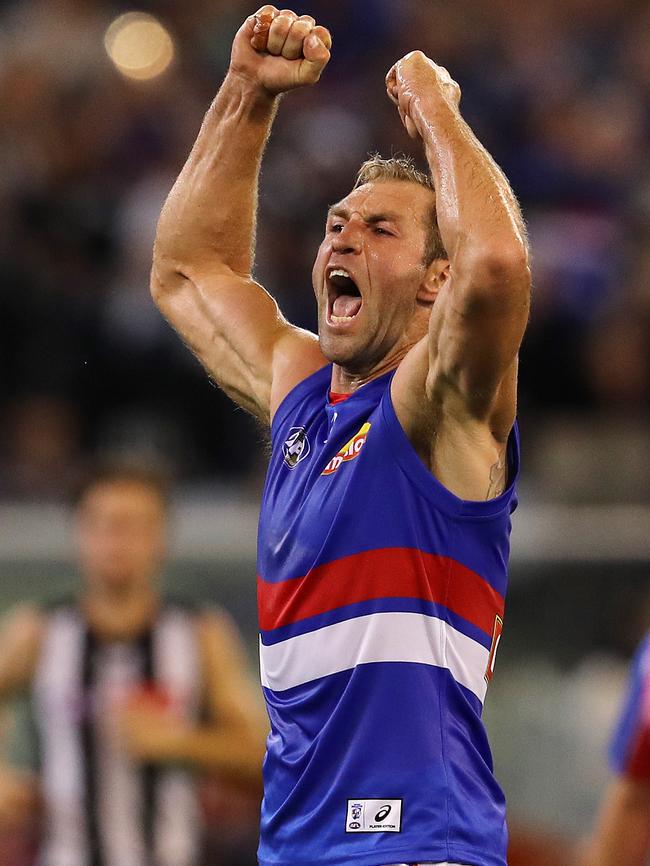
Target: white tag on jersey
<point x="374" y="816"/>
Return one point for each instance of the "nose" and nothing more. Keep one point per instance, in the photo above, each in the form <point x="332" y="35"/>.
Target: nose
<point x="349" y="239"/>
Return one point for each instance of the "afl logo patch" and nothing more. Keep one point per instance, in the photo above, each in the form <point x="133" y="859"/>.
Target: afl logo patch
<point x="295" y="447"/>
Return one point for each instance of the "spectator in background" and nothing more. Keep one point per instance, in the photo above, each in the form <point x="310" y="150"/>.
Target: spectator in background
<point x="622" y="833"/>
<point x="129" y="693"/>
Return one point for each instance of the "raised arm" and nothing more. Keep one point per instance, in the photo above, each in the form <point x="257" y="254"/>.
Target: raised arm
<point x="468" y="366"/>
<point x="203" y="255"/>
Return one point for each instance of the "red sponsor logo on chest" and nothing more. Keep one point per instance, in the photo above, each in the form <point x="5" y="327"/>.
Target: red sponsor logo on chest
<point x="349" y="451"/>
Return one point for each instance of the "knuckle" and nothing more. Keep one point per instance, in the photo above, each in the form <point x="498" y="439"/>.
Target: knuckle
<point x="324" y="35"/>
<point x="301" y="27"/>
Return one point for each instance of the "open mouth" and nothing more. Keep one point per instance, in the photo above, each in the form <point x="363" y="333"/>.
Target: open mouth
<point x="344" y="298"/>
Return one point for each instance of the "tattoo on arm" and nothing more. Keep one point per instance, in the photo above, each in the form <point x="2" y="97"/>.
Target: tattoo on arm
<point x="497" y="477"/>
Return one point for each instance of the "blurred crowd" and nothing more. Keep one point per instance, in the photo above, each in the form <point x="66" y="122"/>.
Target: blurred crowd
<point x="558" y="92"/>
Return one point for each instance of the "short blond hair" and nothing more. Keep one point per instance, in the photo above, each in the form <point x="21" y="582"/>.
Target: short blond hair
<point x="402" y="168"/>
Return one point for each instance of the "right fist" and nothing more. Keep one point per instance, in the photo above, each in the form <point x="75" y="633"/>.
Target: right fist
<point x="280" y="50"/>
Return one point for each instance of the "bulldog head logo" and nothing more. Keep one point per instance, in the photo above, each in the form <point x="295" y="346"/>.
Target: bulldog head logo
<point x="295" y="447"/>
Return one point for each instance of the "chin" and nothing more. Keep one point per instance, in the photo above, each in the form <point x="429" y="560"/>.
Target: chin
<point x="114" y="580"/>
<point x="345" y="352"/>
<point x="337" y="349"/>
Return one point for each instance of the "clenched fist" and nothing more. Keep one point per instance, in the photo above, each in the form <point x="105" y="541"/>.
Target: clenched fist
<point x="414" y="79"/>
<point x="279" y="50"/>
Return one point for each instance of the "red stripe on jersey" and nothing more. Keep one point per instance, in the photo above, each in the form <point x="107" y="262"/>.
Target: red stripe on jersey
<point x="335" y="397"/>
<point x="393" y="572"/>
<point x="638" y="763"/>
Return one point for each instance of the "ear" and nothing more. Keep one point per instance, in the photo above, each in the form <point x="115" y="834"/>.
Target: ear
<point x="435" y="277"/>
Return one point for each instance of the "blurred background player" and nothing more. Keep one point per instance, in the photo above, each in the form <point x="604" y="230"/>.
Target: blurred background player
<point x="131" y="694"/>
<point x="622" y="833"/>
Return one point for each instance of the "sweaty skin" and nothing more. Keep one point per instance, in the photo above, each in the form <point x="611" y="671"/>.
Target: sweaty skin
<point x="452" y="327"/>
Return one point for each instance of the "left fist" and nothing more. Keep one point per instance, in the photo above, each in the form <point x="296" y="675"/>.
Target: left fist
<point x="414" y="78"/>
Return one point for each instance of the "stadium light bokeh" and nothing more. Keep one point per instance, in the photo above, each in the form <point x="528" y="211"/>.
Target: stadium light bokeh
<point x="139" y="45"/>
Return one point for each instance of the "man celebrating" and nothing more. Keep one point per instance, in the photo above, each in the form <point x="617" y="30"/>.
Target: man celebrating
<point x="386" y="513"/>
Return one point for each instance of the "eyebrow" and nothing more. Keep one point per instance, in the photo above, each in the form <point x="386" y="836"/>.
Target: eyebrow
<point x="385" y="216"/>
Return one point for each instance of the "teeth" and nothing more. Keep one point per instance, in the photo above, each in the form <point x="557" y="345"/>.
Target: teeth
<point x="339" y="272"/>
<point x="341" y="318"/>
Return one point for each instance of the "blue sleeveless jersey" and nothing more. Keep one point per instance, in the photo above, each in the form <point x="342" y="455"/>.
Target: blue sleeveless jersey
<point x="380" y="600"/>
<point x="630" y="746"/>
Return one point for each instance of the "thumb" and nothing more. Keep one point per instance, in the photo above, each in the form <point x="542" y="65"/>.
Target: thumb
<point x="247" y="29"/>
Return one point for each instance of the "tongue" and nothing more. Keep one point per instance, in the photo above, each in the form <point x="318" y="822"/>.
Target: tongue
<point x="346" y="305"/>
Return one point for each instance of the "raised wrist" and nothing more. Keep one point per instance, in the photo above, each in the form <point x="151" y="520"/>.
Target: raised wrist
<point x="251" y="92"/>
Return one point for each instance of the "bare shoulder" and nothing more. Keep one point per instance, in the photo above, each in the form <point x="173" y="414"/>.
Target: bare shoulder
<point x="23" y="625"/>
<point x="220" y="641"/>
<point x="216" y="624"/>
<point x="297" y="356"/>
<point x="21" y="636"/>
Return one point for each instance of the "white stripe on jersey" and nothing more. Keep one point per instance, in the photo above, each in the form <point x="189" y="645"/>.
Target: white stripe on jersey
<point x="58" y="700"/>
<point x="178" y="666"/>
<point x="378" y="637"/>
<point x="118" y="784"/>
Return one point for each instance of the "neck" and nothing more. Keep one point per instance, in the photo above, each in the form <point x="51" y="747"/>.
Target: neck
<point x="119" y="615"/>
<point x="346" y="380"/>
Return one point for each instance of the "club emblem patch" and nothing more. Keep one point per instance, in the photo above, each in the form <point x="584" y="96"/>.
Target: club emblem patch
<point x="296" y="447"/>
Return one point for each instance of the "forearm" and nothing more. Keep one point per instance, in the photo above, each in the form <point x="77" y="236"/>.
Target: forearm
<point x="209" y="216"/>
<point x="478" y="215"/>
<point x="233" y="754"/>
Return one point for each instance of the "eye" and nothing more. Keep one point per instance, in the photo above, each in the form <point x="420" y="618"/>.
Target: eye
<point x="336" y="228"/>
<point x="381" y="231"/>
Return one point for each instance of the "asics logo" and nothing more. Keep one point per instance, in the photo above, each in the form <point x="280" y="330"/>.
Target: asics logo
<point x="382" y="814"/>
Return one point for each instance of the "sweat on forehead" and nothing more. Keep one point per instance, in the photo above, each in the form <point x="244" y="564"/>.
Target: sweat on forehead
<point x="389" y="199"/>
<point x="395" y="200"/>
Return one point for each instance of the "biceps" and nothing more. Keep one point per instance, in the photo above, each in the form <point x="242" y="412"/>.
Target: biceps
<point x="231" y="324"/>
